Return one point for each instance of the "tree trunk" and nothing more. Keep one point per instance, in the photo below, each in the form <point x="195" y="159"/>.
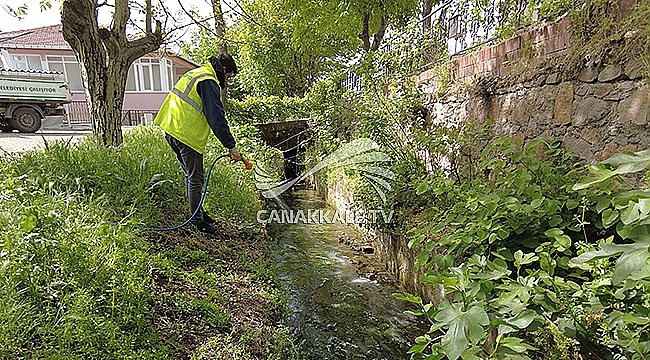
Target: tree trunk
<point x="220" y="32"/>
<point x="427" y="6"/>
<point x="104" y="56"/>
<point x="105" y="96"/>
<point x="219" y="27"/>
<point x="377" y="37"/>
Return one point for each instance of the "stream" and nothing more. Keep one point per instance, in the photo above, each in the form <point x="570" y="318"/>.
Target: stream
<point x="339" y="300"/>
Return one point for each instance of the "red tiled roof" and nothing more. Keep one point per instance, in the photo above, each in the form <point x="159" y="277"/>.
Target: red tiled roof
<point x="50" y="37"/>
<point x="43" y="37"/>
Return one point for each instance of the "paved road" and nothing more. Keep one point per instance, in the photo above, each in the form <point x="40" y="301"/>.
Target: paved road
<point x="14" y="143"/>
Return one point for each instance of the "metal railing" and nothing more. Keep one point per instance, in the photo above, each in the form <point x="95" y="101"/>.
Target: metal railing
<point x="78" y="114"/>
<point x="352" y="82"/>
<point x="138" y="117"/>
<point x="449" y="30"/>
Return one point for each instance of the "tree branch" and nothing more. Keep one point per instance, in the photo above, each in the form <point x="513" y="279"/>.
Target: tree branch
<point x="120" y="17"/>
<point x="195" y="21"/>
<point x="365" y="34"/>
<point x="219" y="26"/>
<point x="146" y="44"/>
<point x="379" y="35"/>
<point x="148" y="15"/>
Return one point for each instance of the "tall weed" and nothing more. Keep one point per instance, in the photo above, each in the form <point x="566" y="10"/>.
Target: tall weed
<point x="75" y="274"/>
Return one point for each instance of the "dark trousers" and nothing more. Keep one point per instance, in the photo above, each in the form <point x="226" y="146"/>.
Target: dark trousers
<point x="192" y="164"/>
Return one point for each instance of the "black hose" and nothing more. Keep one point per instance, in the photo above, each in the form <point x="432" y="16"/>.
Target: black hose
<point x="198" y="208"/>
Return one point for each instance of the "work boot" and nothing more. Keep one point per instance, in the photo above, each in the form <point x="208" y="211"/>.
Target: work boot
<point x="208" y="219"/>
<point x="204" y="227"/>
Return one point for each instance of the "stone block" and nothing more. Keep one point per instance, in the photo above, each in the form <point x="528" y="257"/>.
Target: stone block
<point x="517" y="135"/>
<point x="609" y="150"/>
<point x="588" y="74"/>
<point x="589" y="135"/>
<point x="563" y="104"/>
<point x="610" y="73"/>
<point x="505" y="69"/>
<point x="549" y="45"/>
<point x="520" y="112"/>
<point x="553" y="78"/>
<point x="623" y="8"/>
<point x="631" y="148"/>
<point x="635" y="69"/>
<point x="614" y="129"/>
<point x="486" y="54"/>
<point x="565" y="39"/>
<point x="550" y="30"/>
<point x="580" y="147"/>
<point x="625" y="87"/>
<point x="492" y="66"/>
<point x="635" y="108"/>
<point x="514" y="56"/>
<point x="564" y="25"/>
<point x="584" y="90"/>
<point x="493" y="107"/>
<point x="590" y="109"/>
<point x="602" y="90"/>
<point x="499" y="50"/>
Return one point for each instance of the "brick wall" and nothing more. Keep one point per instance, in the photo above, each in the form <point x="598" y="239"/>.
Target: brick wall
<point x="533" y="46"/>
<point x="603" y="110"/>
<point x="537" y="45"/>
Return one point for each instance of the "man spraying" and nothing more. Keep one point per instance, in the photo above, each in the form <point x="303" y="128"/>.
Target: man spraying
<point x="187" y="115"/>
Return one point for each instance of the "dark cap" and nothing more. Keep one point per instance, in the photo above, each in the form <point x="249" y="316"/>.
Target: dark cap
<point x="223" y="61"/>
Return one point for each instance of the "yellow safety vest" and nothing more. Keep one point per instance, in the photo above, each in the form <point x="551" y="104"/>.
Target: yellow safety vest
<point x="181" y="114"/>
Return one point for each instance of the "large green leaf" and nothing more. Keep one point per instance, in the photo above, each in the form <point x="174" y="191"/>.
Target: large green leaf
<point x="512" y="291"/>
<point x="602" y="174"/>
<point x="512" y="348"/>
<point x="633" y="256"/>
<point x="463" y="327"/>
<point x="630" y="162"/>
<point x="609" y="216"/>
<point x="630" y="213"/>
<point x="408" y="297"/>
<point x="631" y="260"/>
<point x="518" y="322"/>
<point x="562" y="241"/>
<point x="635" y="209"/>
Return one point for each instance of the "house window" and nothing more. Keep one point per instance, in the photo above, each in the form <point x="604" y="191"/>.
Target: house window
<point x="170" y="74"/>
<point x="130" y="80"/>
<point x="27" y="62"/>
<point x="69" y="66"/>
<point x="150" y="74"/>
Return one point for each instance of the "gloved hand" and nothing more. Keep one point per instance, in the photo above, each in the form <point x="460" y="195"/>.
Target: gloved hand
<point x="234" y="154"/>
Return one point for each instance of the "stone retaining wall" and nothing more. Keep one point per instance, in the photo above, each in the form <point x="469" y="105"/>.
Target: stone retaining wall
<point x="392" y="249"/>
<point x="519" y="84"/>
<point x="601" y="111"/>
<point x="594" y="119"/>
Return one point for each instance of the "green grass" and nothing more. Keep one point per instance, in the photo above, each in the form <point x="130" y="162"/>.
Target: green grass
<point x="79" y="281"/>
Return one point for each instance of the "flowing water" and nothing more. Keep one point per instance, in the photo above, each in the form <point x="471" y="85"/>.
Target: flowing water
<point x="340" y="301"/>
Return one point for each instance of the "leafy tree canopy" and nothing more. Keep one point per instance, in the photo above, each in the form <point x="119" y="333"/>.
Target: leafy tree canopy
<point x="285" y="46"/>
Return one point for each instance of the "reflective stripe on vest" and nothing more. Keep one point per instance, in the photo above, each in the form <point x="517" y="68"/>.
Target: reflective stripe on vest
<point x="185" y="95"/>
<point x="181" y="114"/>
